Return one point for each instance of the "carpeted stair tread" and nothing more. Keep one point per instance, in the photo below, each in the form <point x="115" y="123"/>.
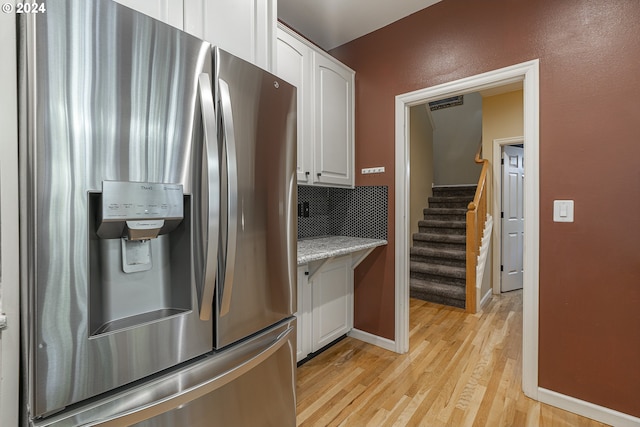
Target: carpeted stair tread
<point x="438" y="270"/>
<point x="445" y="211"/>
<point x="448" y="238"/>
<point x="445" y="214"/>
<point x="438" y="253"/>
<point x="442" y="256"/>
<point x="438" y="293"/>
<point x="450" y="199"/>
<point x="463" y="190"/>
<point x="441" y="224"/>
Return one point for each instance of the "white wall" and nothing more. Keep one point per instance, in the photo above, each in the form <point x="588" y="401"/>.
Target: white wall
<point x="421" y="157"/>
<point x="455" y="142"/>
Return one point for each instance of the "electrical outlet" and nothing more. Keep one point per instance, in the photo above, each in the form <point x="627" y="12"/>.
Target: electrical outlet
<point x="305" y="209"/>
<point x="378" y="169"/>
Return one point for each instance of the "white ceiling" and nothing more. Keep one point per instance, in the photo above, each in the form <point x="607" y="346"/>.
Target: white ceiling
<point x="331" y="23"/>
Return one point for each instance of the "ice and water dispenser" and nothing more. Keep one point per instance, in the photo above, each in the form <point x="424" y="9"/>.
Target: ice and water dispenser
<point x="140" y="254"/>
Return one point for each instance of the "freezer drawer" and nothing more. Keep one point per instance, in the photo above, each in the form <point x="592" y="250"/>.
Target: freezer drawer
<point x="249" y="384"/>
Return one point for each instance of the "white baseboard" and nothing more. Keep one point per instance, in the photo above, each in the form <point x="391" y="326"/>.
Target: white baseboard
<point x="586" y="409"/>
<point x="385" y="343"/>
<point x="485" y="299"/>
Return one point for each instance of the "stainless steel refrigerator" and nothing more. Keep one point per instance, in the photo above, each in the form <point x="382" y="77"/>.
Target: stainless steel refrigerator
<point x="158" y="235"/>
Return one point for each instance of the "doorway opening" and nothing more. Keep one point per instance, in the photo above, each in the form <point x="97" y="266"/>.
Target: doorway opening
<point x="528" y="74"/>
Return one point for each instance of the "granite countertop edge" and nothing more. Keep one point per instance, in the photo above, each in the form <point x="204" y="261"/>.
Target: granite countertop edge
<point x="318" y="248"/>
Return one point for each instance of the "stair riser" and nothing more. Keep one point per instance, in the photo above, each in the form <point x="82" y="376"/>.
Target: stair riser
<point x="441" y="261"/>
<point x="439" y="245"/>
<point x="449" y="204"/>
<point x="453" y="281"/>
<point x="454" y="192"/>
<point x="441" y="230"/>
<point x="439" y="217"/>
<point x="425" y="296"/>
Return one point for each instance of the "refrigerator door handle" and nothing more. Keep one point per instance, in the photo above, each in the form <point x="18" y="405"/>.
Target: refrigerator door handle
<point x="213" y="190"/>
<point x="292" y="246"/>
<point x="232" y="203"/>
<point x="174" y="390"/>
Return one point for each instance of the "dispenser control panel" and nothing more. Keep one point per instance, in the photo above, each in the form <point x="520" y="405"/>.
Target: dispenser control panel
<point x="139" y="210"/>
<point x="141" y="200"/>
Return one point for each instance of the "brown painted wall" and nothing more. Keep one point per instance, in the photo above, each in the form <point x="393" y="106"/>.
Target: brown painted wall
<point x="589" y="53"/>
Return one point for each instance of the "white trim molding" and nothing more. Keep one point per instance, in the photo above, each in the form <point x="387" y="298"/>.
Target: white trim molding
<point x="385" y="343"/>
<point x="587" y="409"/>
<point x="528" y="74"/>
<point x="9" y="226"/>
<point x="482" y="263"/>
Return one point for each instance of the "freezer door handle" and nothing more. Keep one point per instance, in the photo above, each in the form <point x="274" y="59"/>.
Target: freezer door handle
<point x="176" y="389"/>
<point x="212" y="168"/>
<point x="232" y="196"/>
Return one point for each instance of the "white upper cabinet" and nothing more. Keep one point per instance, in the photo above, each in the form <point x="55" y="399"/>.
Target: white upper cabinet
<point x="325" y="111"/>
<point x="333" y="122"/>
<point x="245" y="28"/>
<point x="294" y="65"/>
<point x="168" y="11"/>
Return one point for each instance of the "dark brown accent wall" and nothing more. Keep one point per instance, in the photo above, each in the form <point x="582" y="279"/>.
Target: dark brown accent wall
<point x="589" y="52"/>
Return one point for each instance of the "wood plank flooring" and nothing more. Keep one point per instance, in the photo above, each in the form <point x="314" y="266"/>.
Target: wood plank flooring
<point x="461" y="370"/>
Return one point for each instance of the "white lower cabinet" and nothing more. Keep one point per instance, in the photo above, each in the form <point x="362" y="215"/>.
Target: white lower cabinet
<point x="303" y="314"/>
<point x="325" y="304"/>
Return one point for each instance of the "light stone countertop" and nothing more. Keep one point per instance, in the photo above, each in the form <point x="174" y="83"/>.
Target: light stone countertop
<point x="317" y="248"/>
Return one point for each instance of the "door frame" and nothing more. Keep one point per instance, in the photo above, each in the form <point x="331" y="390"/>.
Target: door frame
<point x="528" y="74"/>
<point x="498" y="144"/>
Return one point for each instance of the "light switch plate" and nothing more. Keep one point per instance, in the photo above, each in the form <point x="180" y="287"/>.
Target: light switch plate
<point x="563" y="210"/>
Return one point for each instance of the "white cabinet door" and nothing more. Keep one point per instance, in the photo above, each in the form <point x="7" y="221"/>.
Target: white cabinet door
<point x="304" y="314"/>
<point x="245" y="28"/>
<point x="334" y="136"/>
<point x="325" y="111"/>
<point x="332" y="299"/>
<point x="169" y="11"/>
<point x="294" y="65"/>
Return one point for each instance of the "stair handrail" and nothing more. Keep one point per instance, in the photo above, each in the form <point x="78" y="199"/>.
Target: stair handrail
<point x="476" y="217"/>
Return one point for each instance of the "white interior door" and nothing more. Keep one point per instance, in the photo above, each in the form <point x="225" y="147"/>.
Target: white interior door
<point x="512" y="218"/>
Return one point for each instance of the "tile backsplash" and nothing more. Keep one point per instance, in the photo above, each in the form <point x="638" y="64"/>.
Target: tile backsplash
<point x="358" y="212"/>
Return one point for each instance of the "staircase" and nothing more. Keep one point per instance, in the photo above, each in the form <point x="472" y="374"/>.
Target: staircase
<point x="438" y="256"/>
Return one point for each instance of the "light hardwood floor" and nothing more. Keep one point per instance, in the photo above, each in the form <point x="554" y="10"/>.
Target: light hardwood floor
<point x="461" y="370"/>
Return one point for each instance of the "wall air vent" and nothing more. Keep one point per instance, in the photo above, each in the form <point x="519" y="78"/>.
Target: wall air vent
<point x="446" y="103"/>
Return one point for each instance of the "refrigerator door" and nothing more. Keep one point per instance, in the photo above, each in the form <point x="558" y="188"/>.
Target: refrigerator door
<point x="111" y="101"/>
<point x="251" y="384"/>
<point x="256" y="284"/>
